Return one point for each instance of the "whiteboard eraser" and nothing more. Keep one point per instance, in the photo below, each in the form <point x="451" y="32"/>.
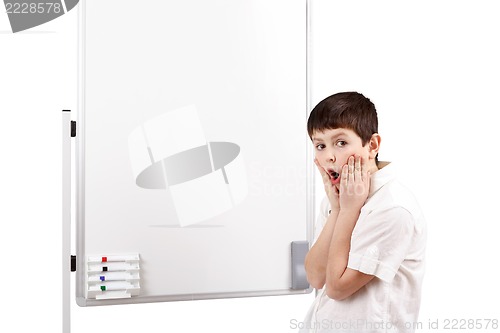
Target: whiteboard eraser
<point x="299" y="252"/>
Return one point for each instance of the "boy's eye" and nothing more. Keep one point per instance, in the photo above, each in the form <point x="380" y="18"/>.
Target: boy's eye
<point x="320" y="146"/>
<point x="341" y="143"/>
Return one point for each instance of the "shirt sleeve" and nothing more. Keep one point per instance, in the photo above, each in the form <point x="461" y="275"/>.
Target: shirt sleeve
<point x="380" y="242"/>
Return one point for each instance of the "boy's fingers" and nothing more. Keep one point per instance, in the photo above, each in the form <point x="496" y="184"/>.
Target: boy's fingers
<point x="320" y="168"/>
<point x="357" y="169"/>
<point x="344" y="176"/>
<point x="367" y="181"/>
<point x="364" y="171"/>
<point x="322" y="171"/>
<point x="350" y="164"/>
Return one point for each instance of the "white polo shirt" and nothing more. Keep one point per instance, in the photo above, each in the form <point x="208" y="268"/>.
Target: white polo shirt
<point x="388" y="241"/>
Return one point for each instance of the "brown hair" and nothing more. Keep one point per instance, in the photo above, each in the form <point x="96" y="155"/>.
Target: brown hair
<point x="349" y="110"/>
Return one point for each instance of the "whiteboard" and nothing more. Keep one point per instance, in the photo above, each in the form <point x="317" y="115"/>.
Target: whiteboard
<point x="192" y="153"/>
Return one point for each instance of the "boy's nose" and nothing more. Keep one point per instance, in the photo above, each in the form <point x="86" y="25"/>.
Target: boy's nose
<point x="331" y="157"/>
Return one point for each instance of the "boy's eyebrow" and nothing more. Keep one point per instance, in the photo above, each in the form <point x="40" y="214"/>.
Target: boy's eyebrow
<point x="332" y="137"/>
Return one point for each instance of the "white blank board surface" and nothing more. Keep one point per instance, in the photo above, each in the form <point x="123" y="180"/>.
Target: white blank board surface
<point x="192" y="147"/>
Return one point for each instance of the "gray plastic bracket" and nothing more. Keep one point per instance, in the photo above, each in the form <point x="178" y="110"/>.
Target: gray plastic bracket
<point x="299" y="278"/>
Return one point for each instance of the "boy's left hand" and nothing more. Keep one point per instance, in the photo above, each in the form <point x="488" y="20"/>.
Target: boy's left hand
<point x="354" y="185"/>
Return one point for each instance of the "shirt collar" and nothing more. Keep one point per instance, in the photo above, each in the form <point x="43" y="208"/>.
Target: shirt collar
<point x="385" y="174"/>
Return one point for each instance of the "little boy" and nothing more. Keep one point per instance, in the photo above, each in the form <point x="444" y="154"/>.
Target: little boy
<point x="367" y="260"/>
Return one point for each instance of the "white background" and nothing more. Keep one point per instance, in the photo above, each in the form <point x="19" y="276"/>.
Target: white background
<point x="430" y="67"/>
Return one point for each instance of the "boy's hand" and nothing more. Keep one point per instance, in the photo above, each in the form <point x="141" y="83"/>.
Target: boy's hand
<point x="330" y="189"/>
<point x="354" y="185"/>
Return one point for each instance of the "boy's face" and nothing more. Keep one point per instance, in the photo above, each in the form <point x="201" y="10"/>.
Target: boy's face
<point x="333" y="147"/>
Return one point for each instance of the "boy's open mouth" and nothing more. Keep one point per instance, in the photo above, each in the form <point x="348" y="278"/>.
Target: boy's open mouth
<point x="334" y="176"/>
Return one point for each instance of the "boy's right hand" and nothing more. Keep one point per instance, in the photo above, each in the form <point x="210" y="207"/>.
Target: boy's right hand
<point x="331" y="190"/>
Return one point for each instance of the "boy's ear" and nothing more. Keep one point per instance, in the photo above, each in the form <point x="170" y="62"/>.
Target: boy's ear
<point x="374" y="145"/>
